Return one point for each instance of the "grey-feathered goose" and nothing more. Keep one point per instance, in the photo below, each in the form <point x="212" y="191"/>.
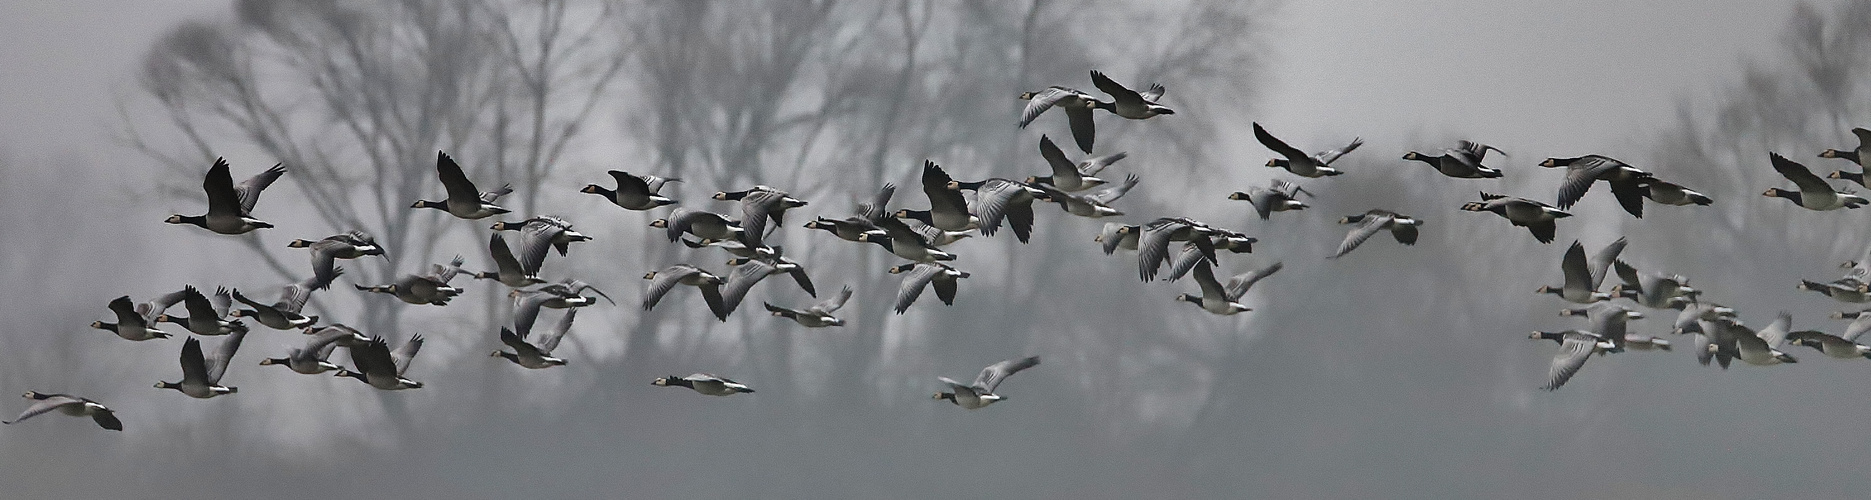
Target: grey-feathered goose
<point x="702" y="224"/>
<point x="1094" y="205"/>
<point x="1281" y="196"/>
<point x="1203" y="251"/>
<point x="69" y="405"/>
<point x="284" y="313"/>
<point x="1758" y="348"/>
<point x="918" y="275"/>
<point x="1116" y="235"/>
<point x="1130" y="103"/>
<point x="712" y="385"/>
<point x="900" y="239"/>
<point x="1298" y="162"/>
<point x="981" y="393"/>
<point x="464" y="200"/>
<point x="311" y="359"/>
<point x="791" y="267"/>
<point x="206" y="316"/>
<point x="935" y="236"/>
<point x="1068" y="176"/>
<point x="1003" y="199"/>
<point x="1575" y="346"/>
<point x="818" y="315"/>
<point x="1462" y="162"/>
<point x="201" y="377"/>
<point x="131" y="323"/>
<point x="1077" y="106"/>
<point x="527" y="303"/>
<point x="1814" y="193"/>
<point x="1535" y="216"/>
<point x="1830" y="345"/>
<point x="661" y="282"/>
<point x="1672" y="194"/>
<point x="230" y="206"/>
<point x="1402" y="227"/>
<point x="743" y="279"/>
<point x="1581" y="172"/>
<point x="539" y="354"/>
<point x="374" y="364"/>
<point x="1843" y="290"/>
<point x="348" y="245"/>
<point x="539" y="234"/>
<point x="431" y="288"/>
<point x="1583" y="276"/>
<point x="1225" y="301"/>
<point x="1651" y="289"/>
<point x="1610" y="321"/>
<point x="507" y="268"/>
<point x="732" y="247"/>
<point x="947" y="208"/>
<point x="567" y="293"/>
<point x="633" y="192"/>
<point x="1855" y="155"/>
<point x="1153" y="243"/>
<point x="759" y="204"/>
<point x="863" y="221"/>
<point x="1860" y="323"/>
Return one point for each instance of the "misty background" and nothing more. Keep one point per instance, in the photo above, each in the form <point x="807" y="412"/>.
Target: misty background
<point x="1393" y="372"/>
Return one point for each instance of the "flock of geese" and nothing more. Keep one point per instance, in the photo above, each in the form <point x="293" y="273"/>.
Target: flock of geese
<point x="918" y="236"/>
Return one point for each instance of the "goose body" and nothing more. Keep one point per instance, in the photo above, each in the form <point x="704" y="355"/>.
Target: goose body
<point x="1129" y="103"/>
<point x="536" y="354"/>
<point x="981" y="393"/>
<point x="818" y="315"/>
<point x="916" y="276"/>
<point x="132" y="325"/>
<point x="230" y="205"/>
<point x="431" y="288"/>
<point x="707" y="384"/>
<point x="68" y="405"/>
<point x="661" y="282"/>
<point x="1813" y="193"/>
<point x="1535" y="216"/>
<point x="1281" y="196"/>
<point x="633" y="192"/>
<point x="1077" y="105"/>
<point x="1225" y="300"/>
<point x="348" y="245"/>
<point x="1402" y="227"/>
<point x="201" y="376"/>
<point x="464" y="200"/>
<point x="1462" y="162"/>
<point x="312" y="358"/>
<point x="375" y="365"/>
<point x="1298" y="162"/>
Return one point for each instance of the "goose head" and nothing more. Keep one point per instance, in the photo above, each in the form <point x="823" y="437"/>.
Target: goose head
<point x="1830" y="153"/>
<point x="593" y="189"/>
<point x="660" y="223"/>
<point x="429" y="204"/>
<point x="1240" y="196"/>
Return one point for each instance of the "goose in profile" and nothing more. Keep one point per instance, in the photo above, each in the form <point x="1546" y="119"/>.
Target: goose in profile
<point x="1584" y="171"/>
<point x="779" y="260"/>
<point x="935" y="275"/>
<point x="702" y="224"/>
<point x="283" y="314"/>
<point x="230" y="206"/>
<point x="900" y="239"/>
<point x="743" y="279"/>
<point x="507" y="269"/>
<point x="527" y="303"/>
<point x="1093" y="205"/>
<point x="1831" y="345"/>
<point x="1535" y="216"/>
<point x="1610" y="321"/>
<point x="1298" y="162"/>
<point x="536" y="355"/>
<point x="1068" y="176"/>
<point x="758" y="205"/>
<point x="935" y="236"/>
<point x="567" y="294"/>
<point x="1153" y="242"/>
<point x="539" y="234"/>
<point x="732" y="247"/>
<point x="818" y="315"/>
<point x="206" y="316"/>
<point x="1117" y="235"/>
<point x="1575" y="347"/>
<point x="1758" y="348"/>
<point x="132" y="323"/>
<point x="981" y="393"/>
<point x="1402" y="227"/>
<point x="661" y="282"/>
<point x="947" y="208"/>
<point x="1281" y="196"/>
<point x="1462" y="162"/>
<point x="348" y="245"/>
<point x="1813" y="193"/>
<point x="1855" y="155"/>
<point x="1843" y="290"/>
<point x="201" y="377"/>
<point x="1130" y="103"/>
<point x="375" y="365"/>
<point x="633" y="192"/>
<point x="431" y="288"/>
<point x="1203" y="251"/>
<point x="70" y="405"/>
<point x="1002" y="199"/>
<point x="707" y="384"/>
<point x="1654" y="290"/>
<point x="464" y="200"/>
<point x="1077" y="106"/>
<point x="864" y="221"/>
<point x="1672" y="194"/>
<point x="1225" y="301"/>
<point x="311" y="359"/>
<point x="1584" y="276"/>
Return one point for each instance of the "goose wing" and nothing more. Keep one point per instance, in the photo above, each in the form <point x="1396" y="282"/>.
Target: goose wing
<point x="1064" y="173"/>
<point x="198" y="306"/>
<point x="941" y="198"/>
<point x="401" y="357"/>
<point x="1808" y="183"/>
<point x="518" y="344"/>
<point x="1153" y="93"/>
<point x="1185" y="260"/>
<point x="1291" y="153"/>
<point x="1603" y="259"/>
<point x="526" y="309"/>
<point x="1241" y="283"/>
<point x="945" y="285"/>
<point x="1084" y="130"/>
<point x="51" y="402"/>
<point x="550" y="340"/>
<point x="1111" y="194"/>
<point x="1331" y="155"/>
<point x="504" y="262"/>
<point x="373" y="358"/>
<point x="223" y="199"/>
<point x="631" y="185"/>
<point x="535" y="241"/>
<point x="1205" y="277"/>
<point x="665" y="281"/>
<point x="1044" y="100"/>
<point x="834" y="303"/>
<point x="224" y="355"/>
<point x="461" y="191"/>
<point x="1153" y="246"/>
<point x="1577" y="271"/>
<point x="194" y="366"/>
<point x="156" y="306"/>
<point x="126" y="311"/>
<point x="741" y="281"/>
<point x="994" y="200"/>
<point x="249" y="190"/>
<point x="1094" y="165"/>
<point x="1370" y="225"/>
<point x="1120" y="94"/>
<point x="991" y="377"/>
<point x="1776" y="332"/>
<point x="1573" y="352"/>
<point x="913" y="283"/>
<point x="879" y="206"/>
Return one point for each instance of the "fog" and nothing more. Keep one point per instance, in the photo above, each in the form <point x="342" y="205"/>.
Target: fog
<point x="1392" y="372"/>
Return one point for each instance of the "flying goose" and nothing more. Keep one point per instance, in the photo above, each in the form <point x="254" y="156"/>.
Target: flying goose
<point x="230" y="206"/>
<point x="1830" y="345"/>
<point x="527" y="303"/>
<point x="757" y="205"/>
<point x="131" y="323"/>
<point x="536" y="355"/>
<point x="1535" y="216"/>
<point x="1402" y="227"/>
<point x="1153" y="242"/>
<point x="311" y="359"/>
<point x="1843" y="290"/>
<point x="1672" y="194"/>
<point x="1117" y="235"/>
<point x="863" y="221"/>
<point x="633" y="192"/>
<point x="348" y="245"/>
<point x="1581" y="172"/>
<point x="905" y="242"/>
<point x="1575" y="346"/>
<point x="431" y="288"/>
<point x="566" y="294"/>
<point x="1077" y="106"/>
<point x="1281" y="196"/>
<point x="743" y="279"/>
<point x="1759" y="348"/>
<point x="1610" y="322"/>
<point x="507" y="269"/>
<point x="791" y="267"/>
<point x="1462" y="162"/>
<point x="375" y="365"/>
<point x="935" y="236"/>
<point x="936" y="275"/>
<point x="704" y="383"/>
<point x="1068" y="176"/>
<point x="284" y="313"/>
<point x="981" y="393"/>
<point x="1203" y="251"/>
<point x="947" y="208"/>
<point x="1583" y="276"/>
<point x="1094" y="205"/>
<point x="464" y="200"/>
<point x="1186" y="260"/>
<point x="661" y="282"/>
<point x="732" y="247"/>
<point x="539" y="234"/>
<point x="1855" y="155"/>
<point x="1130" y="103"/>
<point x="1651" y="289"/>
<point x="1002" y="199"/>
<point x="201" y="378"/>
<point x="1814" y="193"/>
<point x="206" y="316"/>
<point x="1225" y="301"/>
<point x="1298" y="162"/>
<point x="818" y="315"/>
<point x="702" y="224"/>
<point x="1860" y="323"/>
<point x="70" y="405"/>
